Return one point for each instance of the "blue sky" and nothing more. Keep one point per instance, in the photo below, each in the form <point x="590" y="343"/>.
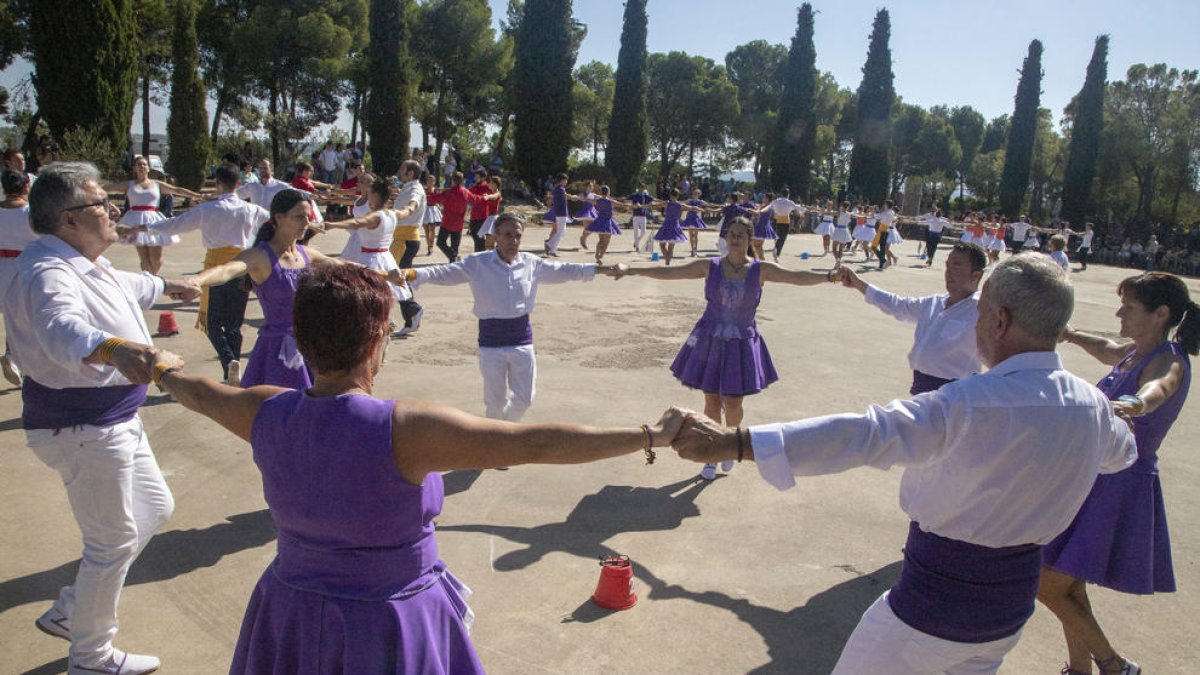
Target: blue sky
<point x="952" y="52"/>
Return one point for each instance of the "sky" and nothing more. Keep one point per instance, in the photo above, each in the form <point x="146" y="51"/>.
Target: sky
<point x="944" y="52"/>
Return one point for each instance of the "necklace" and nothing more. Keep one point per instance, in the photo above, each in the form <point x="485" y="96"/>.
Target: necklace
<point x="737" y="268"/>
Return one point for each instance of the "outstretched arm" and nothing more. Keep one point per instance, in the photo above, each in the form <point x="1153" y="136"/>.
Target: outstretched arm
<point x="774" y="272"/>
<point x="696" y="269"/>
<point x="1106" y="351"/>
<point x="232" y="407"/>
<point x="250" y="259"/>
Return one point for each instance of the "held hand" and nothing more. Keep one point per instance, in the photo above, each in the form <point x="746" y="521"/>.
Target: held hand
<point x="164" y="360"/>
<point x="183" y="290"/>
<point x="397" y="277"/>
<point x="669" y="425"/>
<point x="1065" y="336"/>
<point x="703" y="440"/>
<point x="135" y="361"/>
<point x="847" y="277"/>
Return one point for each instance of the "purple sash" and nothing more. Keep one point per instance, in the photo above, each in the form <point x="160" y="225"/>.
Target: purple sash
<point x="923" y="382"/>
<point x="965" y="592"/>
<point x="505" y="332"/>
<point x="47" y="408"/>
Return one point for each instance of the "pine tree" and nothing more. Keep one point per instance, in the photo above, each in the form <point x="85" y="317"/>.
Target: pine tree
<point x="870" y="163"/>
<point x="1085" y="136"/>
<point x="85" y="66"/>
<point x="1018" y="152"/>
<point x="628" y="128"/>
<point x="545" y="59"/>
<point x="796" y="133"/>
<point x="390" y="80"/>
<point x="187" y="127"/>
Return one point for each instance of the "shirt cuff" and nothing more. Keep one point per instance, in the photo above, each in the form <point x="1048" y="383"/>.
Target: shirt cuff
<point x="83" y="346"/>
<point x="770" y="455"/>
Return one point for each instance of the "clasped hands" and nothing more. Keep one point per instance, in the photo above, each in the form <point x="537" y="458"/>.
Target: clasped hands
<point x="695" y="437"/>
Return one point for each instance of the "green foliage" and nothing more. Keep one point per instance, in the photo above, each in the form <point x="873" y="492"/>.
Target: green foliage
<point x="1049" y="156"/>
<point x="545" y="57"/>
<point x="187" y="126"/>
<point x="390" y="84"/>
<point x="870" y="164"/>
<point x="936" y="149"/>
<point x="691" y="105"/>
<point x="629" y="128"/>
<point x="14" y="31"/>
<point x="83" y="144"/>
<point x="756" y="69"/>
<point x="1087" y="120"/>
<point x="796" y="131"/>
<point x="85" y="66"/>
<point x="969" y="127"/>
<point x="1018" y="151"/>
<point x="832" y="150"/>
<point x="995" y="134"/>
<point x="594" y="86"/>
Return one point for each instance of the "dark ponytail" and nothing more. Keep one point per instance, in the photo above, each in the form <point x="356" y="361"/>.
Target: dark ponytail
<point x="1188" y="333"/>
<point x="1156" y="289"/>
<point x="282" y="202"/>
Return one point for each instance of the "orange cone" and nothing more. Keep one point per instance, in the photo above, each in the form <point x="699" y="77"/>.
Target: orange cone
<point x="166" y="325"/>
<point x="615" y="588"/>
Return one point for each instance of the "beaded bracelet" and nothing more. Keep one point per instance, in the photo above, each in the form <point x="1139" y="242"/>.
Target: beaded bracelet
<point x="649" y="449"/>
<point x="161" y="369"/>
<point x="741" y="446"/>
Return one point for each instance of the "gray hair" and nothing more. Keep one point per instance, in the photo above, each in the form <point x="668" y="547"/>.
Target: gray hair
<point x="58" y="186"/>
<point x="1036" y="293"/>
<point x="509" y="217"/>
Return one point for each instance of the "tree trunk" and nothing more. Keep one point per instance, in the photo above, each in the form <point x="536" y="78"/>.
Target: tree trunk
<point x="29" y="146"/>
<point x="354" y="118"/>
<point x="503" y="135"/>
<point x="218" y="111"/>
<point x="1145" y="181"/>
<point x="146" y="116"/>
<point x="273" y="125"/>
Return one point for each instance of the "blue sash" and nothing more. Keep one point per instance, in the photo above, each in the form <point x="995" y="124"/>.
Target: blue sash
<point x="47" y="408"/>
<point x="505" y="332"/>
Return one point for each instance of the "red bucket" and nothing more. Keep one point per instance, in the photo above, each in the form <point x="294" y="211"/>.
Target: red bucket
<point x="615" y="588"/>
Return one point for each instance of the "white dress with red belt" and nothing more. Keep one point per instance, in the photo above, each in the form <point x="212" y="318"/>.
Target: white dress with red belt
<point x="143" y="210"/>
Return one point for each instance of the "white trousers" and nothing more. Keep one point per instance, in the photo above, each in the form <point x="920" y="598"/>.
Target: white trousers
<point x="559" y="230"/>
<point x="639" y="231"/>
<point x="882" y="643"/>
<point x="119" y="499"/>
<point x="508" y="381"/>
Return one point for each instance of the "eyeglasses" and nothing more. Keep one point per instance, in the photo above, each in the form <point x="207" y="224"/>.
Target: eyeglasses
<point x="106" y="203"/>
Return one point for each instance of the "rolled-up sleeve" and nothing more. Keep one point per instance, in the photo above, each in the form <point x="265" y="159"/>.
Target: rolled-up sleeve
<point x="143" y="286"/>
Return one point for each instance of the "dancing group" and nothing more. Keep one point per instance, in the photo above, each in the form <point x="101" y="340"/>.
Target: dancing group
<point x="1022" y="482"/>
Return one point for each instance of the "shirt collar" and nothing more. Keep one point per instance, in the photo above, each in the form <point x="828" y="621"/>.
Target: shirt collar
<point x="1027" y="361"/>
<point x="497" y="260"/>
<point x="68" y="253"/>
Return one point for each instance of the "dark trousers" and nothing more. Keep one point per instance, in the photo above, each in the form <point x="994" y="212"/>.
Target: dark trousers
<point x="226" y="311"/>
<point x="411" y="249"/>
<point x="783" y="234"/>
<point x="448" y="242"/>
<point x="1082" y="256"/>
<point x="882" y="250"/>
<point x="932" y="239"/>
<point x="1017" y="246"/>
<point x="477" y="225"/>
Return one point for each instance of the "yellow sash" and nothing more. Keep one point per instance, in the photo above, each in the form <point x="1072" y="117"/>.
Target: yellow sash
<point x="213" y="257"/>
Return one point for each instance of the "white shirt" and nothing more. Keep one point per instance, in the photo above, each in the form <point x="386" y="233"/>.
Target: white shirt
<point x="412" y="191"/>
<point x="501" y="290"/>
<point x="63" y="306"/>
<point x="329" y="159"/>
<point x="999" y="459"/>
<point x="887" y="217"/>
<point x="15" y="231"/>
<point x="1087" y="239"/>
<point x="1019" y="230"/>
<point x="784" y="208"/>
<point x="934" y="223"/>
<point x="262" y="193"/>
<point x="944" y="343"/>
<point x="224" y="221"/>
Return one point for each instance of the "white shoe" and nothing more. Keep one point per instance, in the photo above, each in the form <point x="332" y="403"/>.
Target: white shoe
<point x="727" y="466"/>
<point x="709" y="472"/>
<point x="416" y="320"/>
<point x="403" y="332"/>
<point x="55" y="624"/>
<point x="11" y="372"/>
<point x="234" y="379"/>
<point x="119" y="663"/>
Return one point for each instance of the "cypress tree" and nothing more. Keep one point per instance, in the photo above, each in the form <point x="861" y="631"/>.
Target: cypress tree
<point x="390" y="84"/>
<point x="545" y="59"/>
<point x="870" y="162"/>
<point x="85" y="66"/>
<point x="1085" y="136"/>
<point x="1018" y="152"/>
<point x="187" y="127"/>
<point x="628" y="128"/>
<point x="796" y="133"/>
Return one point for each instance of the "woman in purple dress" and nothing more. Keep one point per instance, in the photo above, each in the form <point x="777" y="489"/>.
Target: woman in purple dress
<point x="274" y="264"/>
<point x="693" y="222"/>
<point x="671" y="232"/>
<point x="724" y="356"/>
<point x="1119" y="538"/>
<point x="353" y="483"/>
<point x="764" y="229"/>
<point x="587" y="213"/>
<point x="603" y="223"/>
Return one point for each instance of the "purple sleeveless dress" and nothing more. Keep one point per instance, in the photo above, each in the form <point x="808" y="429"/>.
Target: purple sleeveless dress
<point x="604" y="223"/>
<point x="763" y="228"/>
<point x="356" y="586"/>
<point x="587" y="211"/>
<point x="669" y="231"/>
<point x="1119" y="538"/>
<point x="724" y="353"/>
<point x="693" y="221"/>
<point x="275" y="359"/>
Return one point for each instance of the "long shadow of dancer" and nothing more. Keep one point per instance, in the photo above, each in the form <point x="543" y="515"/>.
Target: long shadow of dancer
<point x="614" y="510"/>
<point x="167" y="556"/>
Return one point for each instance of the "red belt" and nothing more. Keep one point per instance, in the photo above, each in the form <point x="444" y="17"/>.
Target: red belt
<point x="374" y="250"/>
<point x="9" y="253"/>
<point x="143" y="208"/>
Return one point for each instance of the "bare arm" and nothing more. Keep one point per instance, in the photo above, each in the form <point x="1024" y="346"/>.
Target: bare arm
<point x="232" y="407"/>
<point x="1160" y="380"/>
<point x="440" y="438"/>
<point x="247" y="262"/>
<point x="1104" y="350"/>
<point x="773" y="272"/>
<point x="851" y="280"/>
<point x="369" y="222"/>
<point x="696" y="269"/>
<point x="163" y="186"/>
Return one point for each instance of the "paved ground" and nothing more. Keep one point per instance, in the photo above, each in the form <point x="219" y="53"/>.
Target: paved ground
<point x="733" y="576"/>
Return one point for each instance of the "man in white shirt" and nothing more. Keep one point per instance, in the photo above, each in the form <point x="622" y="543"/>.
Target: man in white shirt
<point x="1020" y="230"/>
<point x="329" y="163"/>
<point x="227" y="226"/>
<point x="782" y="209"/>
<point x="504" y="283"/>
<point x="76" y="325"/>
<point x="411" y="196"/>
<point x="996" y="465"/>
<point x="934" y="224"/>
<point x="944" y="345"/>
<point x="262" y="192"/>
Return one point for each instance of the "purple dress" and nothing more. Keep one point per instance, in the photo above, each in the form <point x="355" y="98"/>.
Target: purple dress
<point x="558" y="206"/>
<point x="356" y="585"/>
<point x="587" y="211"/>
<point x="669" y="231"/>
<point x="724" y="353"/>
<point x="275" y="359"/>
<point x="693" y="221"/>
<point x="1119" y="538"/>
<point x="763" y="229"/>
<point x="604" y="223"/>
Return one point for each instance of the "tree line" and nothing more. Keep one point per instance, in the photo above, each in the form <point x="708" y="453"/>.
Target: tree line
<point x="1126" y="150"/>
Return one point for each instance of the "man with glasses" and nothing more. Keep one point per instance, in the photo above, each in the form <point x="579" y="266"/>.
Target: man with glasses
<point x="76" y="326"/>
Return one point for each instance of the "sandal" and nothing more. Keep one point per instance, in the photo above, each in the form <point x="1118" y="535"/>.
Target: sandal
<point x="1121" y="666"/>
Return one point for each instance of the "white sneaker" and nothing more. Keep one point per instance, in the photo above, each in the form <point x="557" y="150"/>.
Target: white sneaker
<point x="55" y="624"/>
<point x="119" y="663"/>
<point x="403" y="332"/>
<point x="11" y="372"/>
<point x="234" y="379"/>
<point x="727" y="466"/>
<point x="416" y="320"/>
<point x="709" y="472"/>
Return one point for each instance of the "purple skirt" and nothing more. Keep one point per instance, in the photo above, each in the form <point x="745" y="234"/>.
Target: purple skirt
<point x="1119" y="538"/>
<point x="266" y="366"/>
<point x="289" y="630"/>
<point x="730" y="366"/>
<point x="588" y="212"/>
<point x="765" y="230"/>
<point x="670" y="232"/>
<point x="604" y="226"/>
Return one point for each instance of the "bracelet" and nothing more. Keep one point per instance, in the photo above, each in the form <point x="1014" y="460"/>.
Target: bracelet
<point x="649" y="449"/>
<point x="161" y="369"/>
<point x="1139" y="406"/>
<point x="741" y="445"/>
<point x="108" y="348"/>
